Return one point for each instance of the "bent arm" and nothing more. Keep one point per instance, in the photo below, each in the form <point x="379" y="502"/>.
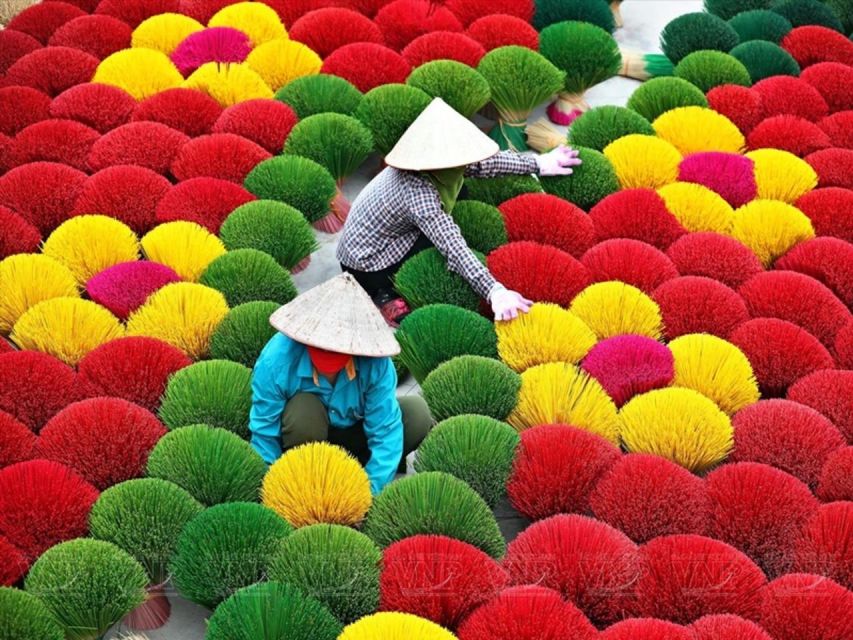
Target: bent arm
<point x="265" y="415"/>
<point x="383" y="425"/>
<point x="444" y="233"/>
<point x="504" y="163"/>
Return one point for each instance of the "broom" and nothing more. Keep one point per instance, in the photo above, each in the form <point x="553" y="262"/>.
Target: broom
<point x="520" y="79"/>
<point x="588" y="55"/>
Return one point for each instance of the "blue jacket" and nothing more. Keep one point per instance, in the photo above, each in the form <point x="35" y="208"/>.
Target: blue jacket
<point x="284" y="369"/>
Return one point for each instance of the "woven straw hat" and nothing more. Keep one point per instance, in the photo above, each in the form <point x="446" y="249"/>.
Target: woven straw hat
<point x="337" y="315"/>
<point x="440" y="138"/>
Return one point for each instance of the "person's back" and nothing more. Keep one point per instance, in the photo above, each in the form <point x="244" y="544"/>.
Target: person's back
<point x="380" y="211"/>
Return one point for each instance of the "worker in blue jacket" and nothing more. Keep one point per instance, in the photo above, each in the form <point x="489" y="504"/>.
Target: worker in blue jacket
<point x="328" y="376"/>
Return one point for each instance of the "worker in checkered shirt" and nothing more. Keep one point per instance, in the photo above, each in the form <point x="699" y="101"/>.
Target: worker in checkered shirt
<point x="406" y="208"/>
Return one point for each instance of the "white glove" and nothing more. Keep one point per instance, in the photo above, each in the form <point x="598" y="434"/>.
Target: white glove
<point x="558" y="162"/>
<point x="506" y="304"/>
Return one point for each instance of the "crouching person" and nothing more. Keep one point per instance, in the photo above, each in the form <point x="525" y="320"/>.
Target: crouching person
<point x="327" y="375"/>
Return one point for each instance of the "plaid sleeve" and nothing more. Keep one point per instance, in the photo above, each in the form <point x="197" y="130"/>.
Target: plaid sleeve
<point x="444" y="233"/>
<point x="504" y="163"/>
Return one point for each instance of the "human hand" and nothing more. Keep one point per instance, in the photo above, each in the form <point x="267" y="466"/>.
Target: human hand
<point x="558" y="162"/>
<point x="506" y="304"/>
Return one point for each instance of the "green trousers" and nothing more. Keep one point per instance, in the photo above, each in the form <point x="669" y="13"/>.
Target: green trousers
<point x="306" y="419"/>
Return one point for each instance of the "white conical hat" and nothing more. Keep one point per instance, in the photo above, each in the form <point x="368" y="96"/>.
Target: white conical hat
<point x="337" y="315"/>
<point x="440" y="138"/>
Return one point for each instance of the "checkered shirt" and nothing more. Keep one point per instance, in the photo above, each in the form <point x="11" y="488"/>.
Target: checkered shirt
<point x="389" y="214"/>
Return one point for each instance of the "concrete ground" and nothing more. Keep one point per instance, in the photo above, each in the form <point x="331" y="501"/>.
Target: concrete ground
<point x="644" y="20"/>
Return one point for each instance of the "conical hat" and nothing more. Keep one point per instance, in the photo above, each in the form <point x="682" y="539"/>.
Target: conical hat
<point x="440" y="138"/>
<point x="337" y="315"/>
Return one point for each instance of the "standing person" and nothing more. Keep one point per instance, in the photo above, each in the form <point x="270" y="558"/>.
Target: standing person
<point x="328" y="375"/>
<point x="406" y="208"/>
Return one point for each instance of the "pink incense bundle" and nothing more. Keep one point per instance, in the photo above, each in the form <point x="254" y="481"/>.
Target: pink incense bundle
<point x="401" y="21"/>
<point x="741" y="105"/>
<point x="789" y="133"/>
<point x="443" y="45"/>
<point x="502" y="30"/>
<point x="329" y="29"/>
<point x="730" y="175"/>
<point x="125" y="287"/>
<point x="215" y="44"/>
<point x="629" y="365"/>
